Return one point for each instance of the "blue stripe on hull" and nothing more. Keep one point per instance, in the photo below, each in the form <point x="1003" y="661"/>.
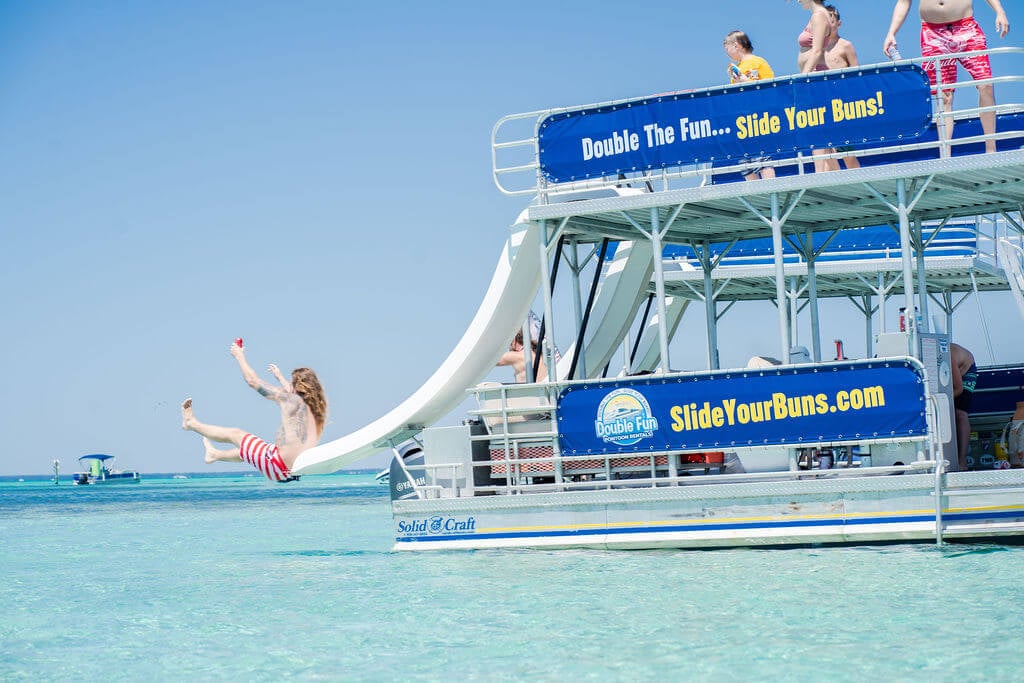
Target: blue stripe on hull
<point x="733" y="526"/>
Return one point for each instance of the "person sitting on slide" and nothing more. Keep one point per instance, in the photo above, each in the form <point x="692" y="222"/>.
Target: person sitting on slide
<point x="303" y="414"/>
<point x="517" y="359"/>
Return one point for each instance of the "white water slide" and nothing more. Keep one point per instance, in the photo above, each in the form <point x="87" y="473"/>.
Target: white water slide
<point x="506" y="304"/>
<point x="648" y="352"/>
<point x="1010" y="258"/>
<point x="508" y="301"/>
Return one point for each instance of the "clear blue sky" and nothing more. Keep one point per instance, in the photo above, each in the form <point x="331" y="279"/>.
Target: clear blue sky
<point x="311" y="176"/>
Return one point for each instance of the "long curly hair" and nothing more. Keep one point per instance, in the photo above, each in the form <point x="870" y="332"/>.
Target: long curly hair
<point x="307" y="386"/>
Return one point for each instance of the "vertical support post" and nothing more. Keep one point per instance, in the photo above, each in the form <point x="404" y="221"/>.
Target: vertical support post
<point x="545" y="279"/>
<point x="882" y="291"/>
<point x="812" y="296"/>
<point x="577" y="300"/>
<point x="659" y="290"/>
<point x="794" y="311"/>
<point x="948" y="297"/>
<point x="908" y="264"/>
<point x="780" y="275"/>
<point x="922" y="282"/>
<point x="945" y="145"/>
<point x="868" y="341"/>
<point x="710" y="309"/>
<point x="939" y="471"/>
<point x="528" y="350"/>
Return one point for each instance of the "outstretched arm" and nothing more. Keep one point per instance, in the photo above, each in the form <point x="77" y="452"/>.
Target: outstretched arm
<point x="285" y="384"/>
<point x="252" y="379"/>
<point x="899" y="15"/>
<point x="510" y="358"/>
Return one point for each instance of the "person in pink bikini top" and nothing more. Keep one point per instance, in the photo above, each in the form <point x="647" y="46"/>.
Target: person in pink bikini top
<point x="813" y="40"/>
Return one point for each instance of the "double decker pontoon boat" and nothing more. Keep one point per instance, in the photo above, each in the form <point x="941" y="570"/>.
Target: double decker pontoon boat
<point x="792" y="449"/>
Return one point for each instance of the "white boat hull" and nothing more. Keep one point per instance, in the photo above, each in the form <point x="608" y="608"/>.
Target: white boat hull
<point x="837" y="510"/>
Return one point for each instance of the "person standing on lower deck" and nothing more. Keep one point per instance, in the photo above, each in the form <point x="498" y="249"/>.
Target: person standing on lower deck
<point x="949" y="27"/>
<point x="516" y="357"/>
<point x="965" y="377"/>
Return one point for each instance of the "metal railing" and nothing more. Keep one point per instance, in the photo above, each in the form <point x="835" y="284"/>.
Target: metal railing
<point x="522" y="443"/>
<point x="516" y="136"/>
<point x="523" y="485"/>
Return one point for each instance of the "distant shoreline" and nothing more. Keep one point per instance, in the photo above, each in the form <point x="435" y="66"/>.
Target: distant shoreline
<point x="65" y="476"/>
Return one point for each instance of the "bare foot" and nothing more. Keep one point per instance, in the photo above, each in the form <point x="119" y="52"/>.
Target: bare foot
<point x="211" y="452"/>
<point x="187" y="418"/>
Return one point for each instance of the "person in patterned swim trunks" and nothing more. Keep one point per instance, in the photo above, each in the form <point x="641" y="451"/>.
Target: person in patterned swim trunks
<point x="948" y="27"/>
<point x="965" y="378"/>
<point x="303" y="414"/>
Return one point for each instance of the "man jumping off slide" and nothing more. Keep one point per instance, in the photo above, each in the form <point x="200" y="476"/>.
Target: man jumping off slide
<point x="303" y="414"/>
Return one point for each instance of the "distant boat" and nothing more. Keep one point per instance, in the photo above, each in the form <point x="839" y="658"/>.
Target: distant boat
<point x="179" y="476"/>
<point x="97" y="471"/>
<point x="384" y="476"/>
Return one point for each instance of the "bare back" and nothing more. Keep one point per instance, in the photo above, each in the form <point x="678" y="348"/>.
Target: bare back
<point x="841" y="55"/>
<point x="961" y="359"/>
<point x="517" y="359"/>
<point x="298" y="430"/>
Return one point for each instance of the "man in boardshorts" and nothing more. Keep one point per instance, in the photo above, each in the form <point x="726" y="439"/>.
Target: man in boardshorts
<point x="303" y="415"/>
<point x="948" y="27"/>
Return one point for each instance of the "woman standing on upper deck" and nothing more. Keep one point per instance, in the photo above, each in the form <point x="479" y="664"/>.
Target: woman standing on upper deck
<point x="813" y="42"/>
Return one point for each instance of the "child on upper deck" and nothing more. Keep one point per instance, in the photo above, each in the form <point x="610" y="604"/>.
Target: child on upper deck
<point x="745" y="67"/>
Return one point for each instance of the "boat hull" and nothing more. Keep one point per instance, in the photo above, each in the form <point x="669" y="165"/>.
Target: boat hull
<point x="837" y="510"/>
<point x="84" y="478"/>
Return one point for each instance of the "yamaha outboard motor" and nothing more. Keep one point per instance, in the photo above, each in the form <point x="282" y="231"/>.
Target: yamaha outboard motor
<point x="407" y="467"/>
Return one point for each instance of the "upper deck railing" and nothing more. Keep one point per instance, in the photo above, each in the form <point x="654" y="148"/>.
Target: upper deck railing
<point x="880" y="113"/>
<point x="976" y="238"/>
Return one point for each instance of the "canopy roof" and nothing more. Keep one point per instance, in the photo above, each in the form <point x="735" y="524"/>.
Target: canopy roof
<point x="96" y="456"/>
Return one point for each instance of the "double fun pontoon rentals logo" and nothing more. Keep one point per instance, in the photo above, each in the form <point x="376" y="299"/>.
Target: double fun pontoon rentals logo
<point x="624" y="418"/>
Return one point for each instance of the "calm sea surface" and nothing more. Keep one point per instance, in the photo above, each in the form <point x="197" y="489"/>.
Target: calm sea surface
<point x="235" y="578"/>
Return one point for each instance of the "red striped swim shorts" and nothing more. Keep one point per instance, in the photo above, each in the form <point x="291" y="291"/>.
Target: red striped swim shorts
<point x="265" y="458"/>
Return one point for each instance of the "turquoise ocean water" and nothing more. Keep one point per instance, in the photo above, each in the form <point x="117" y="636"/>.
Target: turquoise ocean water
<point x="235" y="578"/>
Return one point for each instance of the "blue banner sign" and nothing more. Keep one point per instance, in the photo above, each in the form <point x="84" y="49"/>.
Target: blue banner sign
<point x="772" y="118"/>
<point x="845" y="402"/>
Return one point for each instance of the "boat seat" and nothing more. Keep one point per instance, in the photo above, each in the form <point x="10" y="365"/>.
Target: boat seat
<point x="524" y="413"/>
